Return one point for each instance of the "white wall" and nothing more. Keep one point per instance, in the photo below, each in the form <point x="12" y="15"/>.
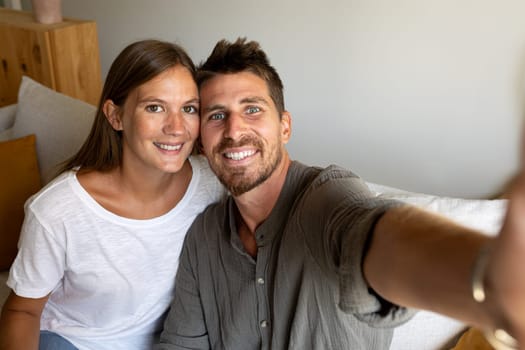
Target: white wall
<point x="425" y="95"/>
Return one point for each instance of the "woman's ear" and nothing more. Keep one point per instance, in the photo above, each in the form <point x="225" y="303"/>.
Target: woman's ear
<point x="112" y="113"/>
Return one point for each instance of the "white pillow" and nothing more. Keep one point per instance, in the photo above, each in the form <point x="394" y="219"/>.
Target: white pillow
<point x="7" y="116"/>
<point x="60" y="123"/>
<point x="6" y="134"/>
<point x="481" y="214"/>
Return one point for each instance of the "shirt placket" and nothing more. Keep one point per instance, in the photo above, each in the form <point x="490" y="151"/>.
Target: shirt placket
<point x="261" y="291"/>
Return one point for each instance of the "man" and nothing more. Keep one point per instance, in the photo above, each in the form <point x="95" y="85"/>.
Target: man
<point x="306" y="258"/>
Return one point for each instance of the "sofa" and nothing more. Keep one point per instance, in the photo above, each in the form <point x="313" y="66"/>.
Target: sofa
<point x="38" y="133"/>
<point x="61" y="123"/>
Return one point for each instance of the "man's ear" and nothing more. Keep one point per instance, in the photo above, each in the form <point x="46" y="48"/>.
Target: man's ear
<point x="112" y="113"/>
<point x="286" y="126"/>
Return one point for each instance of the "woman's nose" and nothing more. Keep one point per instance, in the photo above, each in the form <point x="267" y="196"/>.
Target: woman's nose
<point x="174" y="123"/>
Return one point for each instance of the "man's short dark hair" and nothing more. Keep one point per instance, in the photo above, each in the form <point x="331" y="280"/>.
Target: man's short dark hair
<point x="241" y="56"/>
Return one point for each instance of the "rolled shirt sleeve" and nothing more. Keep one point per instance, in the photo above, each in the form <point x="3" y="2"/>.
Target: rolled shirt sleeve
<point x="341" y="208"/>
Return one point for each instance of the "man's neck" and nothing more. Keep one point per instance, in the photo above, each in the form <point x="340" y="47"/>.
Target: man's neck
<point x="256" y="205"/>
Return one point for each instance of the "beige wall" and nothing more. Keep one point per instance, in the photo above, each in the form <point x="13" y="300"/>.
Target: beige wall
<point x="418" y="94"/>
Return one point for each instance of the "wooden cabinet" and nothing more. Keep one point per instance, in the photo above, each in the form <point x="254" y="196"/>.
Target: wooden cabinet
<point x="63" y="56"/>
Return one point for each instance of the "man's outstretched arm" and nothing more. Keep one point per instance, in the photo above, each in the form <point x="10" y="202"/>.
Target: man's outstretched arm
<point x="421" y="260"/>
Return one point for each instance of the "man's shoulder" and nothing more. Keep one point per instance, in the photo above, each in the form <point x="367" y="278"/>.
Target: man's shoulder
<point x="212" y="219"/>
<point x="315" y="176"/>
<point x="326" y="188"/>
<point x="334" y="172"/>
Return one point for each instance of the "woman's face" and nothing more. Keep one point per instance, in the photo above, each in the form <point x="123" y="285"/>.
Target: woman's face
<point x="159" y="122"/>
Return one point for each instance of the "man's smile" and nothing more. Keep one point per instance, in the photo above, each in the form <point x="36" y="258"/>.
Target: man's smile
<point x="239" y="155"/>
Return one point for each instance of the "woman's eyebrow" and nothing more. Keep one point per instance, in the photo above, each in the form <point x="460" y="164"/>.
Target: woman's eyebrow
<point x="150" y="100"/>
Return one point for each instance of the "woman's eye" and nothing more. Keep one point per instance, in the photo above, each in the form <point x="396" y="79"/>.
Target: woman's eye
<point x="251" y="110"/>
<point x="190" y="109"/>
<point x="154" y="108"/>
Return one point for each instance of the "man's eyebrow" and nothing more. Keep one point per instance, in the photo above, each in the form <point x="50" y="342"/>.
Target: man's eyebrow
<point x="148" y="99"/>
<point x="215" y="107"/>
<point x="255" y="99"/>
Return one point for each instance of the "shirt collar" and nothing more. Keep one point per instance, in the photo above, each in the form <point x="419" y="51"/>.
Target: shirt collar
<point x="274" y="225"/>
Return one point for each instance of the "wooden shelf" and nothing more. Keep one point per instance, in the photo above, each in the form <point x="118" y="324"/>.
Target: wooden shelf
<point x="63" y="56"/>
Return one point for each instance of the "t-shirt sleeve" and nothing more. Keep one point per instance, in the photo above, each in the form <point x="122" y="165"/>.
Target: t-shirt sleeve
<point x="342" y="213"/>
<point x="40" y="262"/>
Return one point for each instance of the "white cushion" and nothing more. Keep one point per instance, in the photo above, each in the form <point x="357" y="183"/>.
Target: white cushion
<point x="7" y="119"/>
<point x="6" y="134"/>
<point x="427" y="331"/>
<point x="481" y="214"/>
<point x="60" y="123"/>
<point x="7" y="116"/>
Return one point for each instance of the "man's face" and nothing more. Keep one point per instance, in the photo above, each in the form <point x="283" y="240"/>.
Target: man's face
<point x="242" y="134"/>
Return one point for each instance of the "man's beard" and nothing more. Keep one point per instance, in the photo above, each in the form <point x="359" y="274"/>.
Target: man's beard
<point x="239" y="180"/>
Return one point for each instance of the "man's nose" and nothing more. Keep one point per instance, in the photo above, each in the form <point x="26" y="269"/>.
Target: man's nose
<point x="235" y="125"/>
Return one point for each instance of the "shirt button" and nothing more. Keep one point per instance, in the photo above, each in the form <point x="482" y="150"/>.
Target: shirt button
<point x="264" y="324"/>
<point x="260" y="280"/>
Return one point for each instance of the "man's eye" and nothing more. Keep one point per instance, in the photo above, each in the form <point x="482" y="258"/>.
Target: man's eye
<point x="190" y="109"/>
<point x="217" y="116"/>
<point x="154" y="108"/>
<point x="251" y="110"/>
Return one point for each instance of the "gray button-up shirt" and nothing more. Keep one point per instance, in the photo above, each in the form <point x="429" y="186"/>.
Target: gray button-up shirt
<point x="305" y="289"/>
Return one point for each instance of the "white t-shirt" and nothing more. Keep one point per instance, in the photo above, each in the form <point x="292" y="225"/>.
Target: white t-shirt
<point x="111" y="278"/>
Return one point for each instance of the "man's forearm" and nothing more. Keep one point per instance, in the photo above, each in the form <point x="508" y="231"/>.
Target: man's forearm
<point x="417" y="259"/>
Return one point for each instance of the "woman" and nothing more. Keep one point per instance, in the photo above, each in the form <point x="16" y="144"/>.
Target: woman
<point x="100" y="244"/>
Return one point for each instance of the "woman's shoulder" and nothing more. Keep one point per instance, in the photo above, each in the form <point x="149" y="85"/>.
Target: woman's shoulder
<point x="199" y="161"/>
<point x="204" y="177"/>
<point x="56" y="193"/>
<point x="55" y="186"/>
<point x="201" y="167"/>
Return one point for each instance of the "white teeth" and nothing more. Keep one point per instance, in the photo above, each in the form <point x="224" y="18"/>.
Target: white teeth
<point x="239" y="155"/>
<point x="168" y="147"/>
